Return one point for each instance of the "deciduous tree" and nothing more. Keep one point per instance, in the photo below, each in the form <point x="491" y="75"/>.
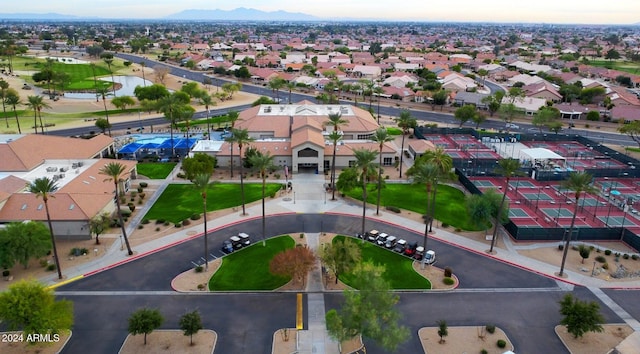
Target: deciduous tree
<point x="31" y="307"/>
<point x="144" y="321"/>
<point x="198" y="164"/>
<point x="340" y="256"/>
<point x="580" y="317"/>
<point x="294" y="262"/>
<point x="190" y="324"/>
<point x="22" y="241"/>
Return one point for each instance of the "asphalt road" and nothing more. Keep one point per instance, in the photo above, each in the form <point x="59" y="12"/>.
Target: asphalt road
<point x="522" y="303"/>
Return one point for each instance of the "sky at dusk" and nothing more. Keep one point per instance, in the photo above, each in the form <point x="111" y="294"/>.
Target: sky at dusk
<point x="528" y="11"/>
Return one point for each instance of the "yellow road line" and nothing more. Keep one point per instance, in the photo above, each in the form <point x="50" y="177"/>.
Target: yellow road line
<point x="51" y="287"/>
<point x="299" y="322"/>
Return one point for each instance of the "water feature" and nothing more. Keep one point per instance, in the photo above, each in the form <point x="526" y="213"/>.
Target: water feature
<point x="128" y="83"/>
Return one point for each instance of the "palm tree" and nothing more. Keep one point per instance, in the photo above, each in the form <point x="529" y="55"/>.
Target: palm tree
<point x="242" y="138"/>
<point x="335" y="121"/>
<point x="334" y="137"/>
<point x="507" y="168"/>
<point x="95" y="81"/>
<point x="13" y="100"/>
<point x="185" y="113"/>
<point x="170" y="106"/>
<point x="109" y="60"/>
<point x="381" y="136"/>
<point x="37" y="104"/>
<point x="444" y="162"/>
<point x="207" y="101"/>
<point x="290" y="86"/>
<point x="262" y="163"/>
<point x="275" y="85"/>
<point x="233" y="118"/>
<point x="4" y="86"/>
<point x="364" y="164"/>
<point x="104" y="92"/>
<point x="405" y="122"/>
<point x="144" y="80"/>
<point x="115" y="171"/>
<point x="44" y="187"/>
<point x="579" y="183"/>
<point x="201" y="183"/>
<point x="426" y="173"/>
<point x="378" y="90"/>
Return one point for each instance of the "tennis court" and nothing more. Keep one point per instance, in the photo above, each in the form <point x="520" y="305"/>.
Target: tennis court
<point x="591" y="202"/>
<point x="518" y="213"/>
<point x="537" y="196"/>
<point x="456" y="154"/>
<point x="484" y="154"/>
<point x="483" y="184"/>
<point x="557" y="212"/>
<point x="522" y="184"/>
<point x="616" y="221"/>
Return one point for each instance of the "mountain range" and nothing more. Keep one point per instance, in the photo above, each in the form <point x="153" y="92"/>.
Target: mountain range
<point x="239" y="14"/>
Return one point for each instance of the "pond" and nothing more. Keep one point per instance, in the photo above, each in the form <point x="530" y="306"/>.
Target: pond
<point x="129" y="84"/>
<point x="66" y="60"/>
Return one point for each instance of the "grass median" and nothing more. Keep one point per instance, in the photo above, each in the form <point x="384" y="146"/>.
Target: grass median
<point x="398" y="272"/>
<point x="248" y="268"/>
<point x="155" y="170"/>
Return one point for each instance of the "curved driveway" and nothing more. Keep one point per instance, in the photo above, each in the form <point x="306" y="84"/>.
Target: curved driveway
<point x="522" y="303"/>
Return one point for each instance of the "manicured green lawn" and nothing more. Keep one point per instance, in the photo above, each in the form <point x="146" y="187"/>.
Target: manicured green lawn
<point x="399" y="271"/>
<point x="179" y="201"/>
<point x="394" y="131"/>
<point x="248" y="268"/>
<point x="450" y="202"/>
<point x="155" y="170"/>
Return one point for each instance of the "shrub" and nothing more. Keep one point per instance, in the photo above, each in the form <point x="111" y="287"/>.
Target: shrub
<point x="142" y="195"/>
<point x="448" y="281"/>
<point x="592" y="247"/>
<point x="625" y="256"/>
<point x="157" y="229"/>
<point x="132" y="207"/>
<point x="51" y="267"/>
<point x="605" y="265"/>
<point x="139" y="201"/>
<point x="186" y="222"/>
<point x="458" y="229"/>
<point x="560" y="247"/>
<point x="276" y="175"/>
<point x="301" y="235"/>
<point x="601" y="259"/>
<point x="617" y="254"/>
<point x="501" y="343"/>
<point x="43" y="263"/>
<point x="159" y="221"/>
<point x="393" y="209"/>
<point x="598" y="250"/>
<point x="140" y="227"/>
<point x="166" y="223"/>
<point x="201" y="286"/>
<point x="180" y="175"/>
<point x="607" y="252"/>
<point x="199" y="269"/>
<point x="143" y="184"/>
<point x="195" y="217"/>
<point x="140" y="189"/>
<point x="5" y="273"/>
<point x="445" y="225"/>
<point x="447" y="272"/>
<point x="125" y="213"/>
<point x="178" y="224"/>
<point x="634" y="257"/>
<point x="484" y="351"/>
<point x="134" y="194"/>
<point x="490" y="328"/>
<point x="145" y="221"/>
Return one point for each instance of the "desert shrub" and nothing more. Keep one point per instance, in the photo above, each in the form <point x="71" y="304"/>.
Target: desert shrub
<point x="132" y="207"/>
<point x="447" y="272"/>
<point x="458" y="229"/>
<point x="199" y="269"/>
<point x="393" y="209"/>
<point x="501" y="343"/>
<point x="491" y="328"/>
<point x="617" y="254"/>
<point x="134" y="194"/>
<point x="445" y="225"/>
<point x="6" y="273"/>
<point x="598" y="250"/>
<point x="159" y="221"/>
<point x="139" y="201"/>
<point x="51" y="267"/>
<point x="166" y="223"/>
<point x="181" y="175"/>
<point x="634" y="257"/>
<point x="625" y="256"/>
<point x="140" y="227"/>
<point x="195" y="217"/>
<point x="201" y="286"/>
<point x="140" y="189"/>
<point x="484" y="351"/>
<point x="186" y="222"/>
<point x="448" y="281"/>
<point x="145" y="221"/>
<point x="43" y="263"/>
<point x="157" y="229"/>
<point x="178" y="224"/>
<point x="560" y="247"/>
<point x="592" y="247"/>
<point x="276" y="175"/>
<point x="607" y="252"/>
<point x="605" y="265"/>
<point x="125" y="213"/>
<point x="142" y="195"/>
<point x="601" y="259"/>
<point x="143" y="184"/>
